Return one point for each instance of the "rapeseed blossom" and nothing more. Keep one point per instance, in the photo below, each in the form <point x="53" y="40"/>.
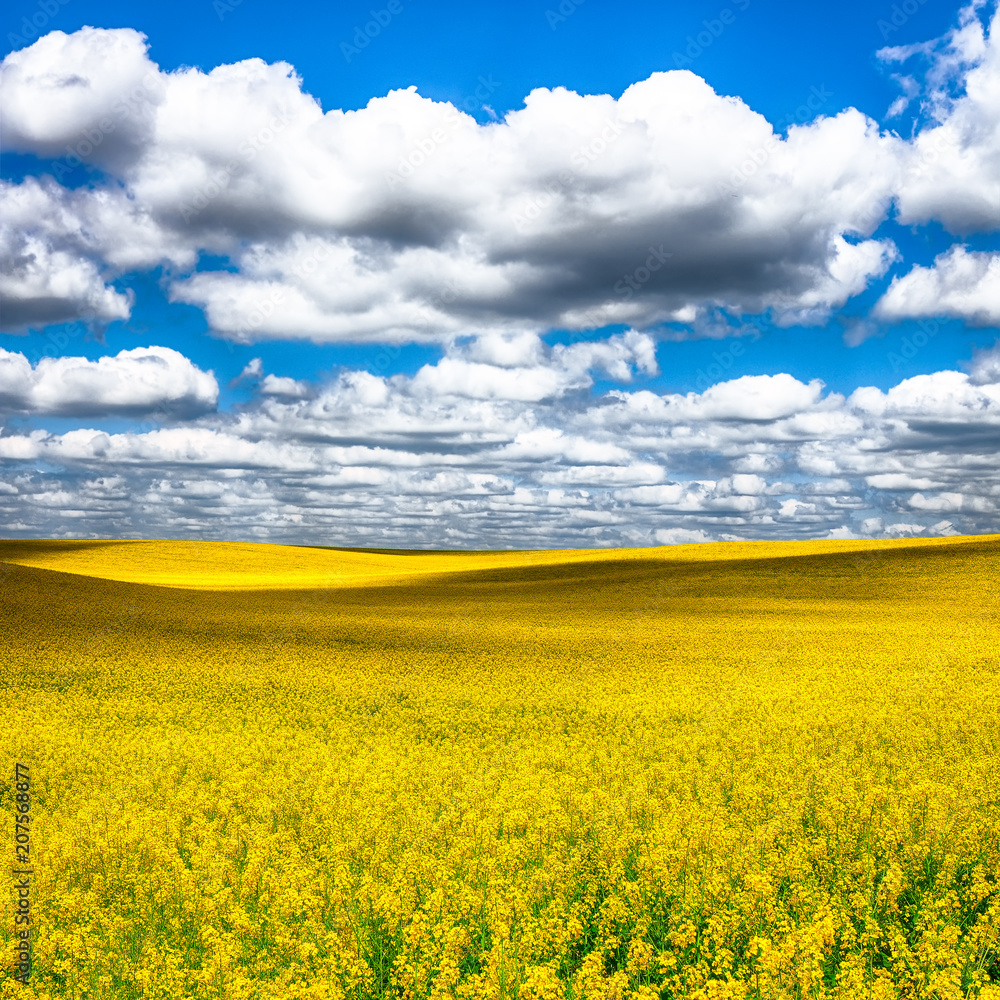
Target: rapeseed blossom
<point x="758" y="770"/>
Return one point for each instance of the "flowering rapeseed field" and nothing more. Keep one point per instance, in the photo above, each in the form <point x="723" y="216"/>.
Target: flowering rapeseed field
<point x="759" y="770"/>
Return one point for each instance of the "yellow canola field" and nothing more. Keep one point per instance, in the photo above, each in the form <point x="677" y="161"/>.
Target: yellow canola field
<point x="754" y="770"/>
<point x="255" y="566"/>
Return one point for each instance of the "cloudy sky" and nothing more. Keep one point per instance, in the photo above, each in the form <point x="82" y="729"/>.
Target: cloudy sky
<point x="511" y="274"/>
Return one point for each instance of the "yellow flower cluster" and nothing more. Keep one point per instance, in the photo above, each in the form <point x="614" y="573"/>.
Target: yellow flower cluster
<point x="758" y="770"/>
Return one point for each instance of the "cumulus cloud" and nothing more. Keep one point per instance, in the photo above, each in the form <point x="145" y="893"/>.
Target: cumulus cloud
<point x="253" y="370"/>
<point x="282" y="385"/>
<point x="546" y="373"/>
<point x="142" y="381"/>
<point x="984" y="368"/>
<point x="746" y="399"/>
<point x="88" y="95"/>
<point x="408" y="220"/>
<point x="667" y="212"/>
<point x="960" y="284"/>
<point x="949" y="170"/>
<point x="681" y="536"/>
<point x="875" y="527"/>
<point x="403" y="461"/>
<point x="941" y="502"/>
<point x="60" y="251"/>
<point x="946" y="402"/>
<point x="40" y="284"/>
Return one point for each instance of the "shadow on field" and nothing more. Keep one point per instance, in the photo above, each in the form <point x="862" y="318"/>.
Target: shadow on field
<point x="25" y="548"/>
<point x="41" y="605"/>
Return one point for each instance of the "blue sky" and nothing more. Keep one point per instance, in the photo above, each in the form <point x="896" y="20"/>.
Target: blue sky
<point x="767" y="56"/>
<point x="912" y="292"/>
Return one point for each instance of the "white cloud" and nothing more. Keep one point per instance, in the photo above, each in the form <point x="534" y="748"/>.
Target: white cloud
<point x="796" y="508"/>
<point x="40" y="284"/>
<point x="681" y="536"/>
<point x="397" y="460"/>
<point x="456" y="377"/>
<point x="60" y="250"/>
<point x="90" y="94"/>
<point x="145" y="380"/>
<point x="670" y="203"/>
<point x="984" y="368"/>
<point x="745" y="484"/>
<point x="942" y="502"/>
<point x="748" y="398"/>
<point x="906" y="530"/>
<point x="949" y="171"/>
<point x="900" y="481"/>
<point x="946" y="397"/>
<point x="282" y="385"/>
<point x="552" y="371"/>
<point x="757" y="461"/>
<point x="945" y="528"/>
<point x="519" y="349"/>
<point x="757" y="397"/>
<point x="546" y="443"/>
<point x="254" y="368"/>
<point x="342" y="228"/>
<point x="960" y="284"/>
<point x="843" y="533"/>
